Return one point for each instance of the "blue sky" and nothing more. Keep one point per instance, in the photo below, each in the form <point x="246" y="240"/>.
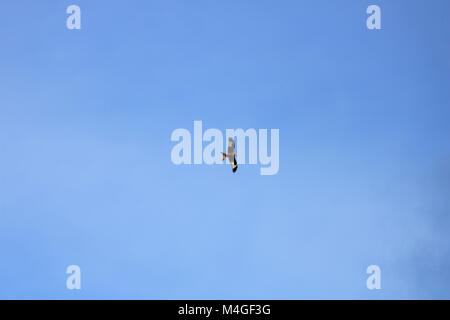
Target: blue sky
<point x="86" y="176"/>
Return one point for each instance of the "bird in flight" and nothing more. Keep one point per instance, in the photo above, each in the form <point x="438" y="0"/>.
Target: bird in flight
<point x="231" y="155"/>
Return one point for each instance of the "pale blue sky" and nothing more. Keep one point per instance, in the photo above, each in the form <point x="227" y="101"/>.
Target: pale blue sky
<point x="85" y="170"/>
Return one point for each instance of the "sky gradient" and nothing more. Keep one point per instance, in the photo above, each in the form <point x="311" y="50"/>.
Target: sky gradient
<point x="86" y="176"/>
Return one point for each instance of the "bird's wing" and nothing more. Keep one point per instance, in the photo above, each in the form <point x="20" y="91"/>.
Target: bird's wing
<point x="231" y="148"/>
<point x="234" y="164"/>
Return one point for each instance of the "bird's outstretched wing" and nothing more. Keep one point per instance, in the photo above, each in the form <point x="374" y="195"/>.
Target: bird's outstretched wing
<point x="234" y="165"/>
